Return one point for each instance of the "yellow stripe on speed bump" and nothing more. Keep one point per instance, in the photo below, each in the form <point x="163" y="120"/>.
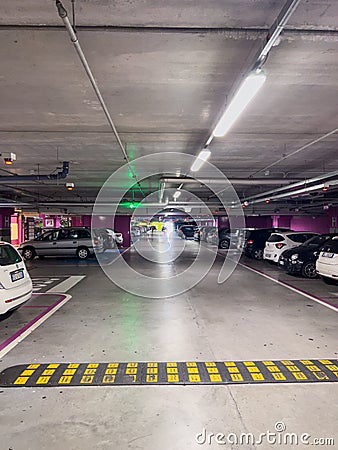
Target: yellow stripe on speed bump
<point x="170" y="373"/>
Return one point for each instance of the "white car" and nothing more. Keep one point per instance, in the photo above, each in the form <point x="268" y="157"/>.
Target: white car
<point x="327" y="262"/>
<point x="279" y="242"/>
<point x="15" y="282"/>
<point x="118" y="237"/>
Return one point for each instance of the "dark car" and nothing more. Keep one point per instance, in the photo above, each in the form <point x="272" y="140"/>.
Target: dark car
<point x="256" y="239"/>
<point x="232" y="238"/>
<point x="302" y="259"/>
<point x="187" y="231"/>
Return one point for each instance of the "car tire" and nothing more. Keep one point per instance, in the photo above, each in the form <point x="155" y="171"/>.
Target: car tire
<point x="224" y="244"/>
<point x="28" y="253"/>
<point x="309" y="270"/>
<point x="328" y="280"/>
<point x="258" y="254"/>
<point x="82" y="253"/>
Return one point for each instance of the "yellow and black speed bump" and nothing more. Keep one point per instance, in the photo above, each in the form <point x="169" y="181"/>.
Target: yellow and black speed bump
<point x="165" y="373"/>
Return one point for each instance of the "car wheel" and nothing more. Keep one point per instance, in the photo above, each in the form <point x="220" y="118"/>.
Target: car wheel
<point x="309" y="270"/>
<point x="28" y="253"/>
<point x="258" y="254"/>
<point x="82" y="253"/>
<point x="224" y="244"/>
<point x="328" y="280"/>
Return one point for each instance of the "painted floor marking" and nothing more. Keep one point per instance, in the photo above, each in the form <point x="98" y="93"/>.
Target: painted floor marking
<point x="26" y="330"/>
<point x="292" y="288"/>
<point x="67" y="284"/>
<point x="42" y="282"/>
<point x="170" y="373"/>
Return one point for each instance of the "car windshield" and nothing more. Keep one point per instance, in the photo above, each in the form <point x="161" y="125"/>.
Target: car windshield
<point x="8" y="255"/>
<point x="331" y="246"/>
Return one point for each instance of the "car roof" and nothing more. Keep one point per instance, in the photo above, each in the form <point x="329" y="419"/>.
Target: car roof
<point x="291" y="233"/>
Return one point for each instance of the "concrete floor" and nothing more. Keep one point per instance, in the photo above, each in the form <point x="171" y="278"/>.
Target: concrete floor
<point x="247" y="318"/>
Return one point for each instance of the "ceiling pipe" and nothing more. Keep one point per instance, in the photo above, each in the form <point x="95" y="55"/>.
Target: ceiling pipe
<point x="297" y="192"/>
<point x="64" y="16"/>
<point x="295" y="152"/>
<point x="275" y="30"/>
<point x="51" y="177"/>
<point x="295" y="185"/>
<point x="243" y="181"/>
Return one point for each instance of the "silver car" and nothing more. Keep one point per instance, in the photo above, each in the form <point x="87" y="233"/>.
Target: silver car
<point x="63" y="242"/>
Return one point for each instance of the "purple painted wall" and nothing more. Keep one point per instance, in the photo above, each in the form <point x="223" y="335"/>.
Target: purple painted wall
<point x="281" y="221"/>
<point x="315" y="224"/>
<point x="119" y="223"/>
<point x="258" y="221"/>
<point x="250" y="222"/>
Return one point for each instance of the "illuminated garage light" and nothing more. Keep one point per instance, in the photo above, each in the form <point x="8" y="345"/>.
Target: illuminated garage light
<point x="201" y="158"/>
<point x="242" y="98"/>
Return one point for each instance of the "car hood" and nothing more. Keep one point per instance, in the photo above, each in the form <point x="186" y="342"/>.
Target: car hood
<point x="31" y="242"/>
<point x="301" y="250"/>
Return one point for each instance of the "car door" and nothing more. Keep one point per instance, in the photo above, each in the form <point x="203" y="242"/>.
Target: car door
<point x="63" y="245"/>
<point x="45" y="245"/>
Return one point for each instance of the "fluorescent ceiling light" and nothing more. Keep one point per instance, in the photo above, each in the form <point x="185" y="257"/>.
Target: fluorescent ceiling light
<point x="242" y="98"/>
<point x="200" y="160"/>
<point x="177" y="194"/>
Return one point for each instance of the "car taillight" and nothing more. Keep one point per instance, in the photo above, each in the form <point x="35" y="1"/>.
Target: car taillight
<point x="250" y="241"/>
<point x="279" y="246"/>
<point x="96" y="241"/>
<point x="118" y="234"/>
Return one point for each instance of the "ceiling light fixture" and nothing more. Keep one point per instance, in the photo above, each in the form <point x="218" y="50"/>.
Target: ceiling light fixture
<point x="247" y="91"/>
<point x="203" y="156"/>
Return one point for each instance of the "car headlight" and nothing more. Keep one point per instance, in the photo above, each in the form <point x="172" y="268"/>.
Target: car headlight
<point x="294" y="257"/>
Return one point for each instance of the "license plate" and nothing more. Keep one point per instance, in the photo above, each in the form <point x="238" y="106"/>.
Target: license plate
<point x="17" y="275"/>
<point x="328" y="255"/>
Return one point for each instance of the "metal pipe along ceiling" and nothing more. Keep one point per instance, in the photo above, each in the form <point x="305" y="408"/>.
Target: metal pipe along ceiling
<point x="64" y="16"/>
<point x="325" y="176"/>
<point x="243" y="181"/>
<point x="53" y="176"/>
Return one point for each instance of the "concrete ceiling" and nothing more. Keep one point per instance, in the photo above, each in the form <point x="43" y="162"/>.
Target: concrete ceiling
<point x="165" y="70"/>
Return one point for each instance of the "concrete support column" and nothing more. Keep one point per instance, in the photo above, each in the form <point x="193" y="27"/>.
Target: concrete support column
<point x="5" y="224"/>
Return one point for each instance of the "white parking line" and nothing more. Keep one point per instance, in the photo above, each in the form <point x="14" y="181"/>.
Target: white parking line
<point x="288" y="286"/>
<point x="66" y="285"/>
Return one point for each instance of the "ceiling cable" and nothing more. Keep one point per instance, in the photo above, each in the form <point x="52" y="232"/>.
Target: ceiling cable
<point x="64" y="16"/>
<point x="304" y="147"/>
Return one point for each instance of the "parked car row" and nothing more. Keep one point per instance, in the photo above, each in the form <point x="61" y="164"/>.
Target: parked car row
<point x="303" y="253"/>
<point x="224" y="238"/>
<point x="75" y="241"/>
<point x="138" y="230"/>
<point x="187" y="231"/>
